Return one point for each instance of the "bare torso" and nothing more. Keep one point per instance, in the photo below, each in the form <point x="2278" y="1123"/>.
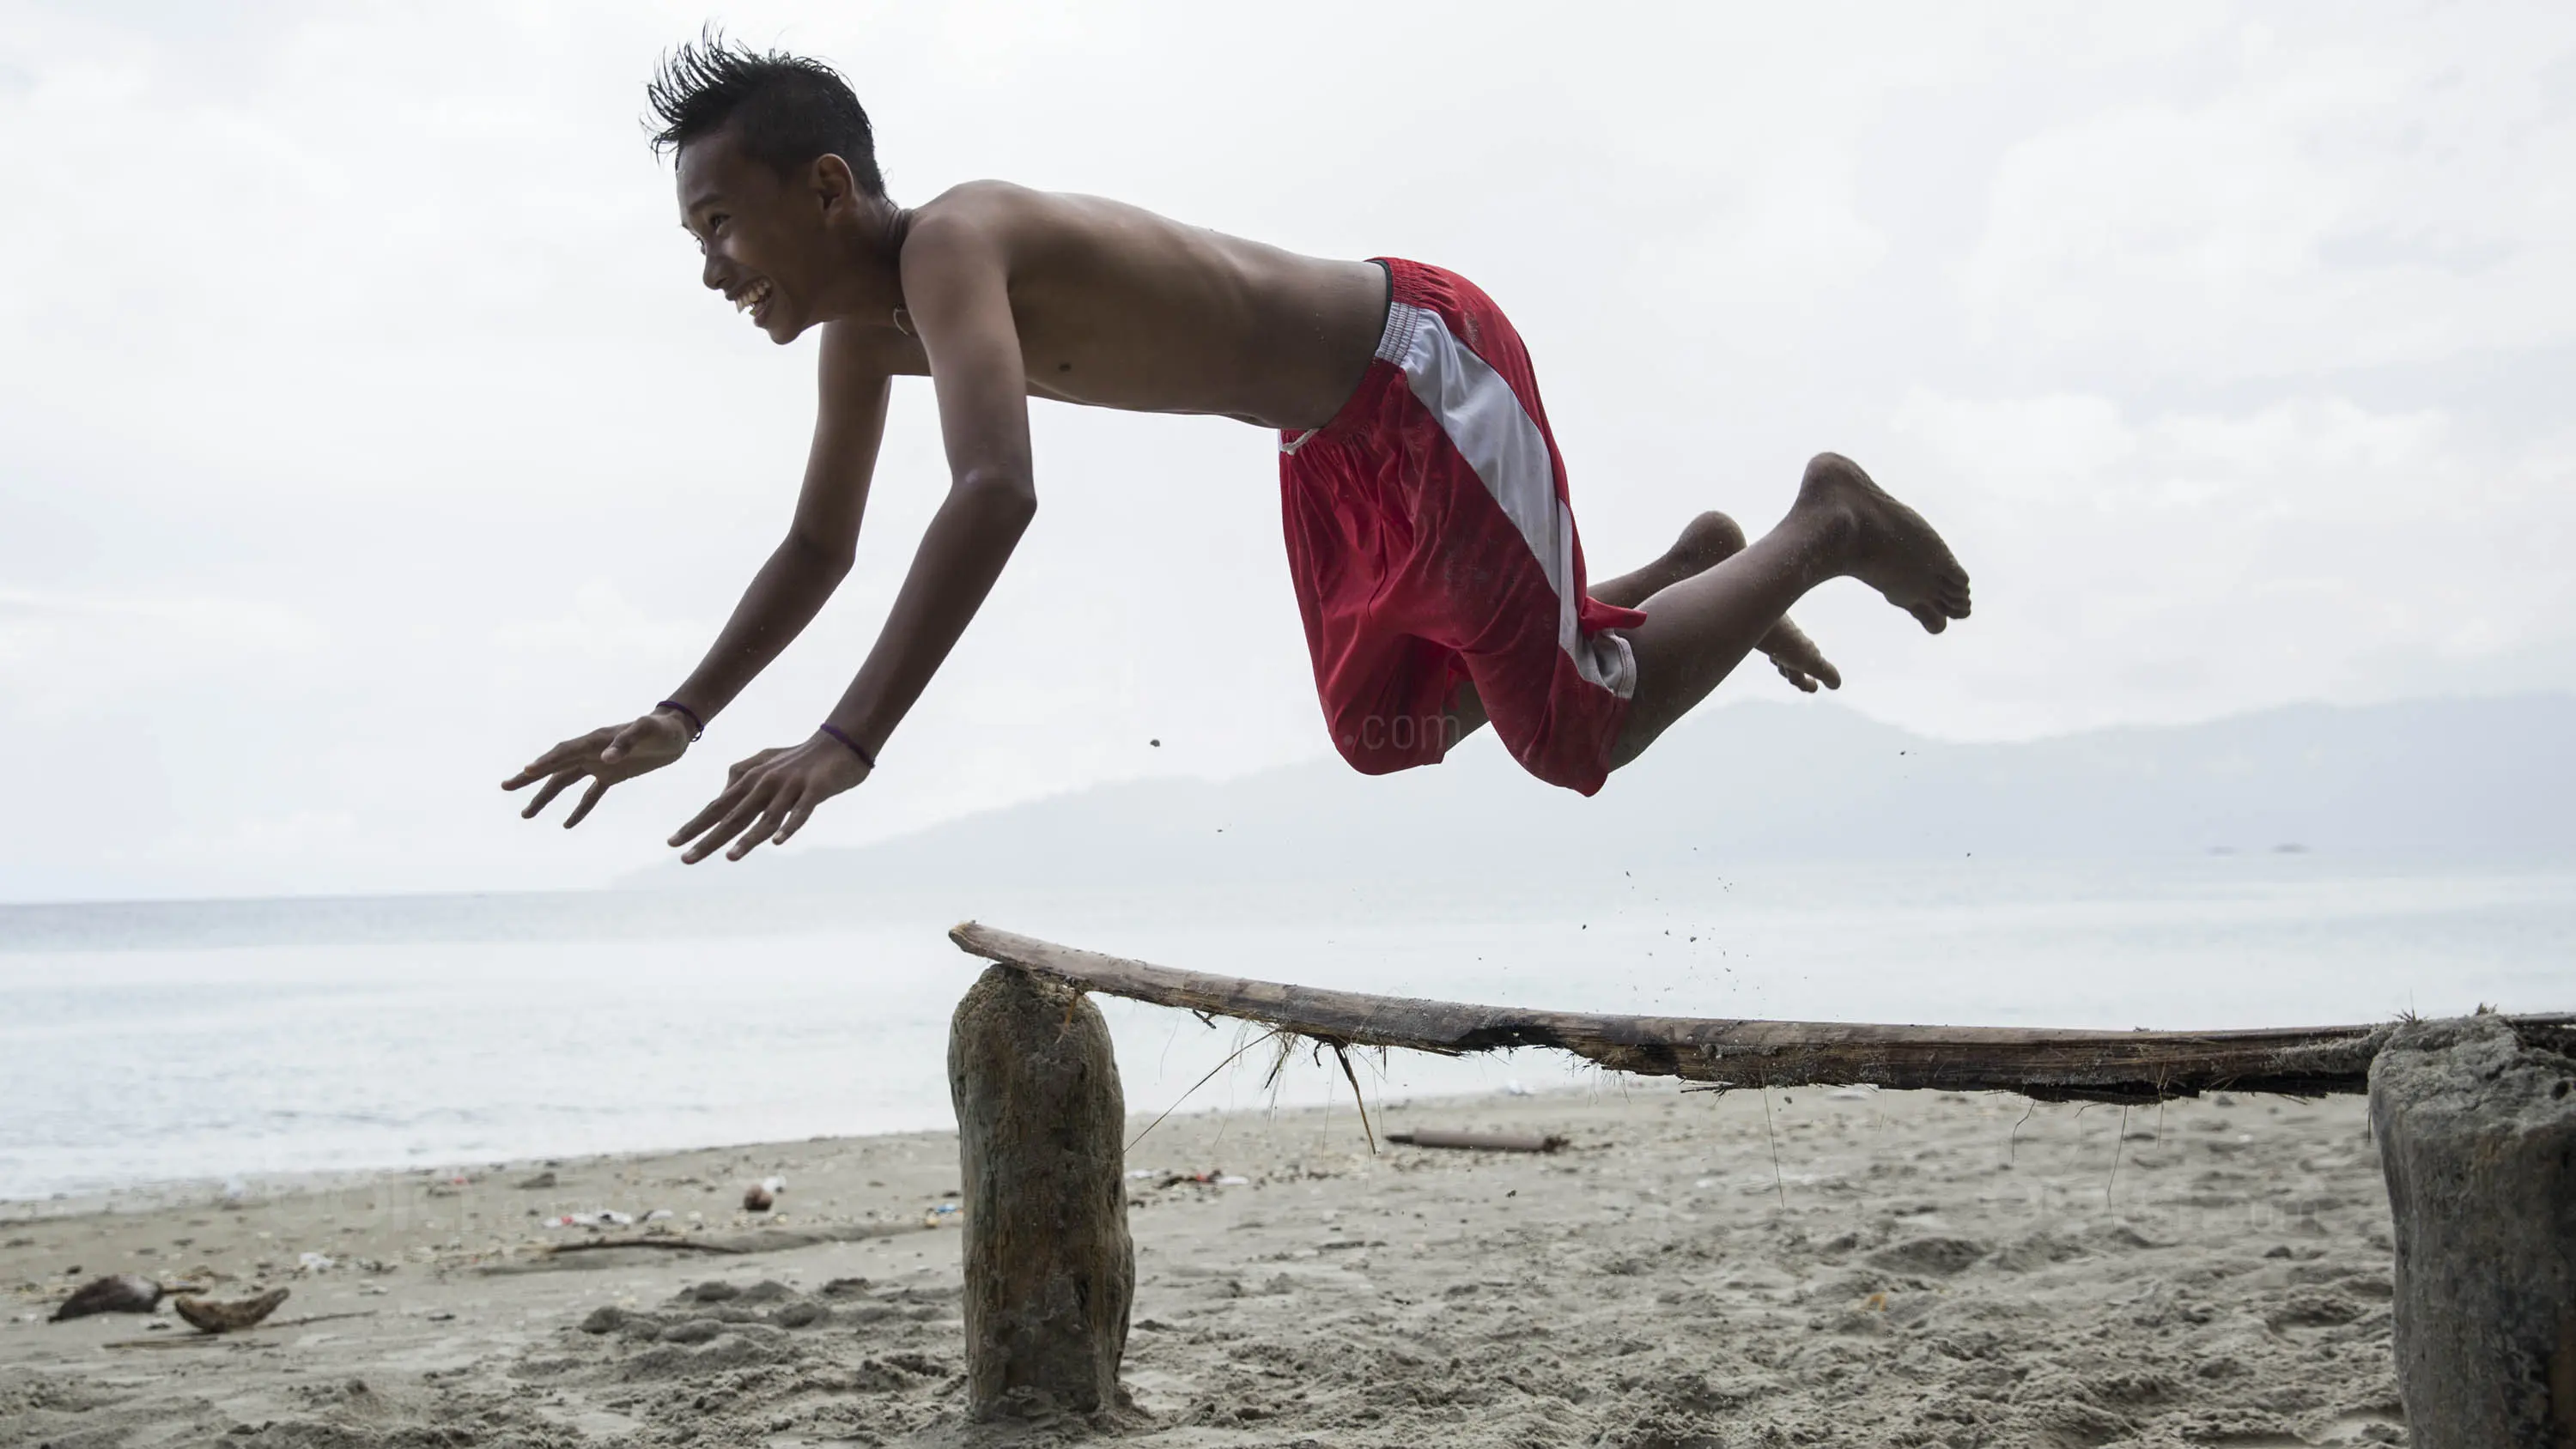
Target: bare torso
<point x="1117" y="307"/>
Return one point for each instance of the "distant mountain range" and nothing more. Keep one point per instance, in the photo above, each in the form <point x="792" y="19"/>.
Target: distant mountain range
<point x="2437" y="783"/>
<point x="2479" y="780"/>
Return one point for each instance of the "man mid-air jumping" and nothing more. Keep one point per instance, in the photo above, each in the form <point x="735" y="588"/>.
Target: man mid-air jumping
<point x="1429" y="536"/>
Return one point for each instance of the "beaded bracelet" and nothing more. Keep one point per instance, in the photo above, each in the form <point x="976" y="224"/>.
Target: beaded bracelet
<point x="697" y="726"/>
<point x="855" y="747"/>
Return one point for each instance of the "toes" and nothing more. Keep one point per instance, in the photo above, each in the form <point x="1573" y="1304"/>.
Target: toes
<point x="1828" y="675"/>
<point x="1932" y="619"/>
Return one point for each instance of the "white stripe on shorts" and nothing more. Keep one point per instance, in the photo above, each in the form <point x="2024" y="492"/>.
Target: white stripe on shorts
<point x="1498" y="438"/>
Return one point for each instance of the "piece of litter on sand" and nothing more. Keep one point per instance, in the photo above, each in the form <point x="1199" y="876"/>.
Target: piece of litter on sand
<point x="1515" y="1089"/>
<point x="1481" y="1141"/>
<point x="314" y="1263"/>
<point x="595" y="1218"/>
<point x="757" y="1199"/>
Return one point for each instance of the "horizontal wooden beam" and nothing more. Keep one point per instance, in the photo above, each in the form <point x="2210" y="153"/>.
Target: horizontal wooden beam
<point x="2106" y="1066"/>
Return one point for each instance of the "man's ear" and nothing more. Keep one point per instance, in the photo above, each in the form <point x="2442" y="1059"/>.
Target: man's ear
<point x="834" y="185"/>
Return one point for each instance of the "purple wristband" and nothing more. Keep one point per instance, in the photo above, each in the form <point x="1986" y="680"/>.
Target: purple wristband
<point x="855" y="747"/>
<point x="697" y="726"/>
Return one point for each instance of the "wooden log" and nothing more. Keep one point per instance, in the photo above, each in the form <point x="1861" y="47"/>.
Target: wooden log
<point x="2477" y="1135"/>
<point x="2103" y="1066"/>
<point x="1050" y="1270"/>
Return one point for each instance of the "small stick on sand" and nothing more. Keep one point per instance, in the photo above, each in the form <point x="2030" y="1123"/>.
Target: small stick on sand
<point x="677" y="1245"/>
<point x="1481" y="1141"/>
<point x="195" y="1340"/>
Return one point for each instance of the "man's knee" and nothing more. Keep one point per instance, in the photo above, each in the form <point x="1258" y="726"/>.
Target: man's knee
<point x="1708" y="539"/>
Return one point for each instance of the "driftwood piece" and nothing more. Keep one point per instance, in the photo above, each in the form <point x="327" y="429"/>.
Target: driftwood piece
<point x="1479" y="1141"/>
<point x="2477" y="1135"/>
<point x="2102" y="1066"/>
<point x="1050" y="1270"/>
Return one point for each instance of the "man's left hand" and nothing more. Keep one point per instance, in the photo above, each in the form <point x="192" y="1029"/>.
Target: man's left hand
<point x="768" y="796"/>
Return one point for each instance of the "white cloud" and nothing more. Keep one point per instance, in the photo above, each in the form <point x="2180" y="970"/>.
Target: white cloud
<point x="2168" y="562"/>
<point x="603" y="623"/>
<point x="2394" y="193"/>
<point x="62" y="653"/>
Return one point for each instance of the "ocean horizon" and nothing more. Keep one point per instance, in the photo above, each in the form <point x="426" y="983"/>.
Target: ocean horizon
<point x="200" y="1042"/>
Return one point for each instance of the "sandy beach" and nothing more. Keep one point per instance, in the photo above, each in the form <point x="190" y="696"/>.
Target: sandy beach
<point x="1868" y="1269"/>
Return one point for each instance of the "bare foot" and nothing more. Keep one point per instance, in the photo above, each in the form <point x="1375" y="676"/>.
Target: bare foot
<point x="1891" y="548"/>
<point x="1711" y="539"/>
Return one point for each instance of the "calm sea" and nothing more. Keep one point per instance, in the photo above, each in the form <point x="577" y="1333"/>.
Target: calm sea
<point x="200" y="1042"/>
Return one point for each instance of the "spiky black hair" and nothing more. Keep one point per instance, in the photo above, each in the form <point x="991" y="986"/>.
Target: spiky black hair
<point x="785" y="109"/>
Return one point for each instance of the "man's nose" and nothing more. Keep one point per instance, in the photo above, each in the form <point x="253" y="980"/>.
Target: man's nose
<point x="707" y="273"/>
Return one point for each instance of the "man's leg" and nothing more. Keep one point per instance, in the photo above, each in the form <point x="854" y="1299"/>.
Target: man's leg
<point x="1842" y="526"/>
<point x="1705" y="542"/>
<point x="1709" y="540"/>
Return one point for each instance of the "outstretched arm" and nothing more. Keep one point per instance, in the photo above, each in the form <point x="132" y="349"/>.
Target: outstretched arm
<point x="783" y="597"/>
<point x="955" y="290"/>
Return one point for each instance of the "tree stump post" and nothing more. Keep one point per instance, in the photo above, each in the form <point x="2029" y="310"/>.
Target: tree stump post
<point x="2477" y="1134"/>
<point x="1050" y="1270"/>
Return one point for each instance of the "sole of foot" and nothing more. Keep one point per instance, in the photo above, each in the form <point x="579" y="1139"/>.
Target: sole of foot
<point x="1892" y="549"/>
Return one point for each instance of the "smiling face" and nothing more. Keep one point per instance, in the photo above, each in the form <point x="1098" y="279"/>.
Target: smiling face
<point x="766" y="235"/>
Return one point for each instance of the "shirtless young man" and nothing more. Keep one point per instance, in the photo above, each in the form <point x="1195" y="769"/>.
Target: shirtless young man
<point x="1434" y="555"/>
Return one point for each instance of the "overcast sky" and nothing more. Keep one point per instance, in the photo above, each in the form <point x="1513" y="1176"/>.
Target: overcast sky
<point x="364" y="428"/>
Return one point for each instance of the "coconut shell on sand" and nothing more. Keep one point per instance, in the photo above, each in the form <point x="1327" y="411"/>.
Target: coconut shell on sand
<point x="116" y="1293"/>
<point x="208" y="1316"/>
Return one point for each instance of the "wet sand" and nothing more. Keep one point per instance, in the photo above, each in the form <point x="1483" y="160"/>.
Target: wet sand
<point x="1918" y="1269"/>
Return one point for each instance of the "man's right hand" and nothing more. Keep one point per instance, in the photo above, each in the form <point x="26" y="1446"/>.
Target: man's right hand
<point x="604" y="757"/>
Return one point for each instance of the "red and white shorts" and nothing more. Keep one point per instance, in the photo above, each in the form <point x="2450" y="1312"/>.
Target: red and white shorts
<point x="1430" y="542"/>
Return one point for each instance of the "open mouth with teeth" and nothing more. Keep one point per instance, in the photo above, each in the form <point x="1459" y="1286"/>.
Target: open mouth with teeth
<point x="753" y="299"/>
